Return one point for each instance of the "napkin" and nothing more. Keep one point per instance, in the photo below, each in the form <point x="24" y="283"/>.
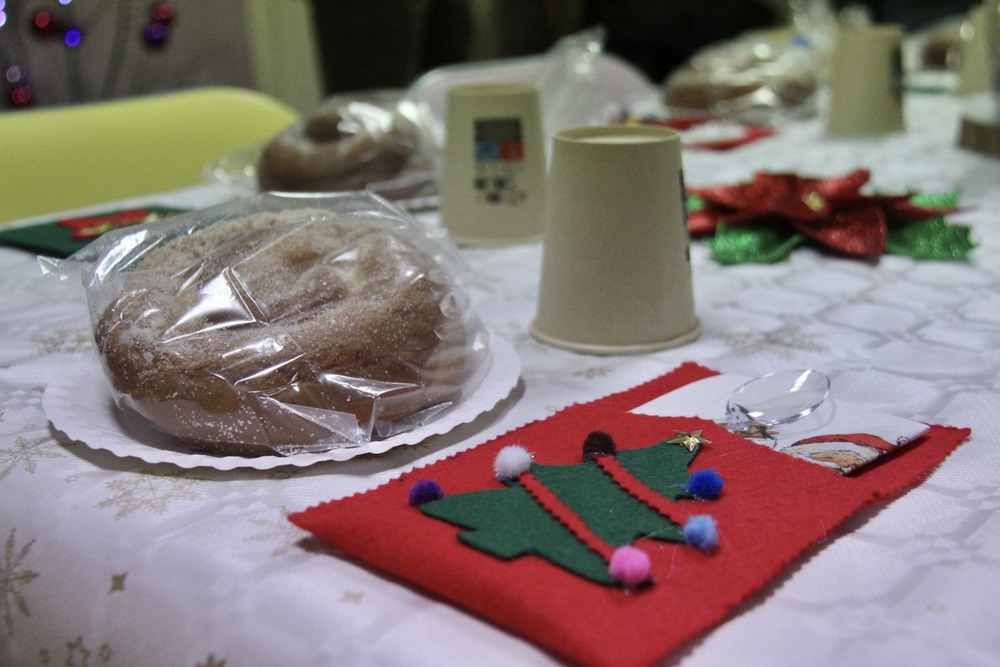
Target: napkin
<point x="63" y="237"/>
<point x="770" y="510"/>
<point x="836" y="434"/>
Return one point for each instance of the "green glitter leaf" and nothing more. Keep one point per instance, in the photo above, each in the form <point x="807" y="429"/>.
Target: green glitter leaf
<point x="694" y="202"/>
<point x="934" y="238"/>
<point x="941" y="200"/>
<point x="758" y="244"/>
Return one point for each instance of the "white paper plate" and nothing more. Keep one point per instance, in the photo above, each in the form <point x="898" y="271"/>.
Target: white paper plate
<point x="79" y="403"/>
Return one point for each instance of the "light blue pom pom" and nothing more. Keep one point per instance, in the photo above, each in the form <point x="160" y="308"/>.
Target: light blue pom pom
<point x="701" y="532"/>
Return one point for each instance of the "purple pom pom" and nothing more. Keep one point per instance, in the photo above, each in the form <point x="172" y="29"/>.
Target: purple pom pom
<point x="424" y="491"/>
<point x="629" y="566"/>
<point x="706" y="484"/>
<point x="700" y="532"/>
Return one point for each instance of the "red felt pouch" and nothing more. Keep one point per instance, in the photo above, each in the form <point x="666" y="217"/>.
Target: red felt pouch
<point x="773" y="509"/>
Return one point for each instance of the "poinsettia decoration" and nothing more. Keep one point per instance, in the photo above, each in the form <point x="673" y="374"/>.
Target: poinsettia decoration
<point x="764" y="219"/>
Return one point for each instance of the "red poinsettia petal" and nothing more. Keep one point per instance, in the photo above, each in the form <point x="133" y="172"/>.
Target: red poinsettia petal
<point x="756" y="196"/>
<point x="788" y="196"/>
<point x="742" y="217"/>
<point x="779" y="194"/>
<point x="886" y="202"/>
<point x="859" y="232"/>
<point x="815" y="199"/>
<point x="705" y="220"/>
<point x="898" y="209"/>
<point x="840" y="186"/>
<point x="701" y="222"/>
<point x="732" y="197"/>
<point x="901" y="212"/>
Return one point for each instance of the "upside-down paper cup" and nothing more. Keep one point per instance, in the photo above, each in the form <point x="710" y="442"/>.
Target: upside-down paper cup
<point x="978" y="38"/>
<point x="616" y="267"/>
<point x="493" y="186"/>
<point x="867" y="81"/>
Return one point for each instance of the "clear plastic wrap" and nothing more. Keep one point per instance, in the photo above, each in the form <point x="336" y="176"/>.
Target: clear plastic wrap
<point x="347" y="143"/>
<point x="581" y="84"/>
<point x="390" y="142"/>
<point x="751" y="80"/>
<point x="282" y="323"/>
<point x="578" y="83"/>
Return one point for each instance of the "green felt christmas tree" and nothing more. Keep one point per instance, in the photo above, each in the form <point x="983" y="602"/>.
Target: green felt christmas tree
<point x="581" y="516"/>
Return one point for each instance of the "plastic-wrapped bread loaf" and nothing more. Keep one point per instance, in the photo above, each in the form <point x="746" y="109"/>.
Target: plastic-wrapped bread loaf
<point x="279" y="325"/>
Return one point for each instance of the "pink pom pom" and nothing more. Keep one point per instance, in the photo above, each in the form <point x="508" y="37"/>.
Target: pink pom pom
<point x="629" y="566"/>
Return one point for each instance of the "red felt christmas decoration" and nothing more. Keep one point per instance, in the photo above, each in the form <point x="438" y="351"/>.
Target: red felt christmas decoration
<point x="774" y="509"/>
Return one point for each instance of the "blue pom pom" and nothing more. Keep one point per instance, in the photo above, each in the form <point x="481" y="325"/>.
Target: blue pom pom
<point x="700" y="532"/>
<point x="424" y="491"/>
<point x="706" y="484"/>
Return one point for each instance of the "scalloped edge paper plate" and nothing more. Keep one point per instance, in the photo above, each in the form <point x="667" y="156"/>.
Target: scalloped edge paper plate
<point x="79" y="404"/>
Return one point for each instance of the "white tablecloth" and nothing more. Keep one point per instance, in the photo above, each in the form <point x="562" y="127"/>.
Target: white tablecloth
<point x="111" y="561"/>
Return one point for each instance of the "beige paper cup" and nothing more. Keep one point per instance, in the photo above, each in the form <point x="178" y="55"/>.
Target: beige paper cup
<point x="867" y="81"/>
<point x="493" y="186"/>
<point x="975" y="70"/>
<point x="616" y="268"/>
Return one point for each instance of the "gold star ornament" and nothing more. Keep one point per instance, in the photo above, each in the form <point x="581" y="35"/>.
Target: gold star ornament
<point x="118" y="582"/>
<point x="690" y="440"/>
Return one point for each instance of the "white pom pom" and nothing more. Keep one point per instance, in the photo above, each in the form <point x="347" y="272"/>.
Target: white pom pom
<point x="511" y="461"/>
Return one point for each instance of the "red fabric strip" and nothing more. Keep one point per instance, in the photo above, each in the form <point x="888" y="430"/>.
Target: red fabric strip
<point x="564" y="515"/>
<point x="635" y="488"/>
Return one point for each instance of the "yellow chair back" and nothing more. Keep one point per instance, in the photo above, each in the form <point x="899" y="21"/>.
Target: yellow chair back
<point x="60" y="158"/>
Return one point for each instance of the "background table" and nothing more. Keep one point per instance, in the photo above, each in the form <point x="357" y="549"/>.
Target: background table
<point x="111" y="561"/>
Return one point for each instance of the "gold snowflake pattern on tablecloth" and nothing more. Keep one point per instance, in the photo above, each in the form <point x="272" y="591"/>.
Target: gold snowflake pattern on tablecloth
<point x="65" y="340"/>
<point x="117" y="583"/>
<point x="14" y="576"/>
<point x="78" y="654"/>
<point x="145" y="490"/>
<point x="280" y="531"/>
<point x="783" y="342"/>
<point x="520" y="337"/>
<point x="593" y="372"/>
<point x="352" y="597"/>
<point x="25" y="453"/>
